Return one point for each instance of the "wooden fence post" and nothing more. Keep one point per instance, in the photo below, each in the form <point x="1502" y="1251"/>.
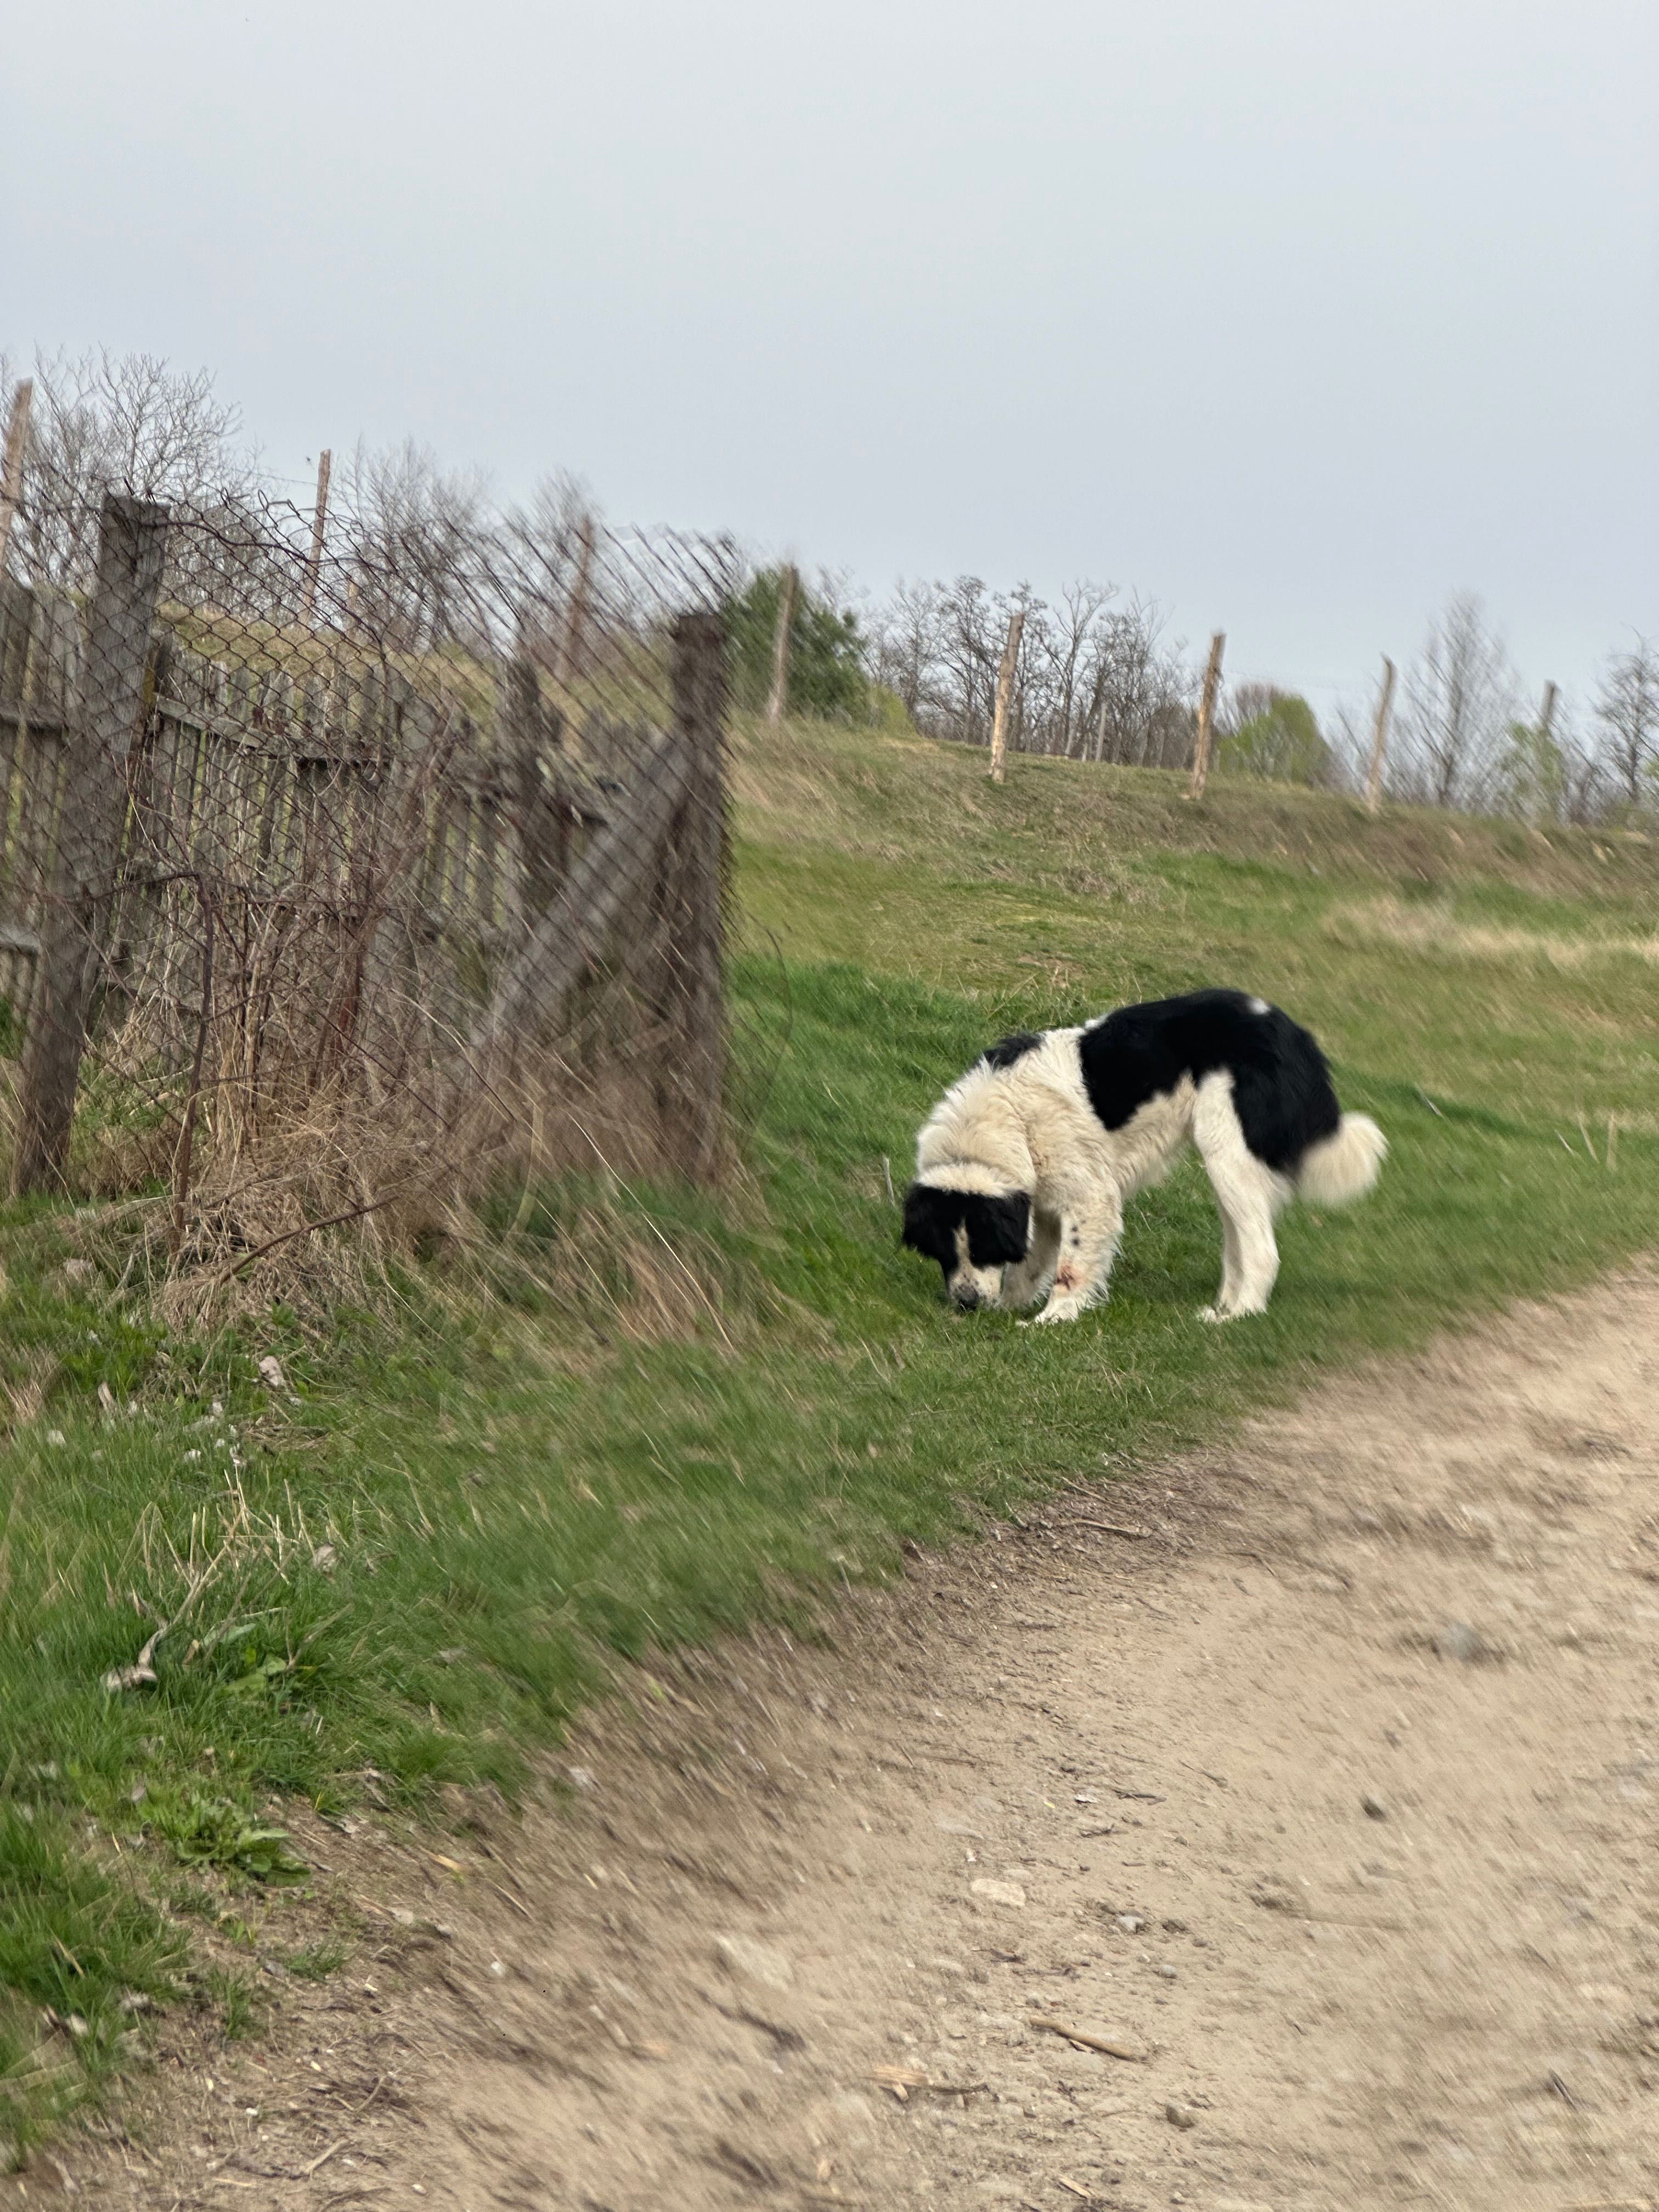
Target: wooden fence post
<point x="11" y="472"/>
<point x="1206" y="718"/>
<point x="131" y="543"/>
<point x="1547" y="715"/>
<point x="1380" y="739"/>
<point x="575" y="625"/>
<point x="319" y="524"/>
<point x="1004" y="693"/>
<point x="1554" y="795"/>
<point x="695" y="872"/>
<point x="788" y="593"/>
<point x="543" y="815"/>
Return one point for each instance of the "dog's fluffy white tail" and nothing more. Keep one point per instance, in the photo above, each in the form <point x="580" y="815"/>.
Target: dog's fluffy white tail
<point x="1344" y="1167"/>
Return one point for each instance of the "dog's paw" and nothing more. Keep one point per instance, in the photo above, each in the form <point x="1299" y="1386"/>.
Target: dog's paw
<point x="1213" y="1314"/>
<point x="1066" y="1310"/>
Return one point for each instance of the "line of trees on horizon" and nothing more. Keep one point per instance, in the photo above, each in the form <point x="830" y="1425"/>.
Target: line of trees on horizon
<point x="1099" y="676"/>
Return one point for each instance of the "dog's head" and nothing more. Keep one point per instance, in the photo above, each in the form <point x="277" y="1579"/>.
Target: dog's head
<point x="974" y="1238"/>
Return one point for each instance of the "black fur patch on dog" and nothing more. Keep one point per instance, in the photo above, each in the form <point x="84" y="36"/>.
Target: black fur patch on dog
<point x="999" y="1229"/>
<point x="1013" y="1049"/>
<point x="1282" y="1090"/>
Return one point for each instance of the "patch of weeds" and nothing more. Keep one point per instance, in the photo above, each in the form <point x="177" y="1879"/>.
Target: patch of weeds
<point x="241" y="2006"/>
<point x="315" y="1962"/>
<point x="215" y="1832"/>
<point x="191" y="1901"/>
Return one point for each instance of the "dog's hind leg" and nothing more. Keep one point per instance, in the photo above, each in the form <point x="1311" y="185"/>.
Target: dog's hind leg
<point x="1232" y="1262"/>
<point x="1028" y="1279"/>
<point x="1248" y="1194"/>
<point x="1089" y="1238"/>
<point x="1250" y="1262"/>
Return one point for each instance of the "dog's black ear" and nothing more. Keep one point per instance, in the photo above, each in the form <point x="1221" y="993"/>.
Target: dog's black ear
<point x="1005" y="1233"/>
<point x="928" y="1228"/>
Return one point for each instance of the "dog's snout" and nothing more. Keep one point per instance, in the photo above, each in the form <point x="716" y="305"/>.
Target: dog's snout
<point x="965" y="1296"/>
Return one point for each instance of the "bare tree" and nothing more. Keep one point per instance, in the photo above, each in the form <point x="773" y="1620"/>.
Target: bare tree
<point x="975" y="626"/>
<point x="543" y="542"/>
<point x="1066" y="651"/>
<point x="1142" y="692"/>
<point x="129" y="422"/>
<point x="908" y="635"/>
<point x="1587" y="789"/>
<point x="1460" y="701"/>
<point x="421" y="546"/>
<point x="1627" y="708"/>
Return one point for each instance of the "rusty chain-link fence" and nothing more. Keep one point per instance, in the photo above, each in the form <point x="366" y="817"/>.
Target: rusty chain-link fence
<point x="339" y="869"/>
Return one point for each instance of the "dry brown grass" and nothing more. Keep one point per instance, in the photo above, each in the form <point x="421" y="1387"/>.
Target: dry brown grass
<point x="331" y="1193"/>
<point x="1436" y="931"/>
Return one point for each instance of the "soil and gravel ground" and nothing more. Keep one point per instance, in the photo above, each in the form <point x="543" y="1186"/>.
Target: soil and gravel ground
<point x="1329" y="1790"/>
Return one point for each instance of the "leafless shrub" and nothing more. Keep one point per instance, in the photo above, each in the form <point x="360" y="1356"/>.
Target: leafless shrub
<point x="422" y="541"/>
<point x="907" y="648"/>
<point x="1459" y="698"/>
<point x="1627" y="712"/>
<point x="1145" y="692"/>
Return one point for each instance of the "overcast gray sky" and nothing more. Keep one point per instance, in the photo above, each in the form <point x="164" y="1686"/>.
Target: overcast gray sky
<point x="1297" y="315"/>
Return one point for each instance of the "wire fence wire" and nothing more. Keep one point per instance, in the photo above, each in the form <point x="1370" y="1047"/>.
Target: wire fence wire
<point x="343" y="870"/>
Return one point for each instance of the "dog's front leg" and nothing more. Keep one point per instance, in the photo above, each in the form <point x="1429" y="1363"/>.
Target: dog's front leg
<point x="1027" y="1281"/>
<point x="1089" y="1235"/>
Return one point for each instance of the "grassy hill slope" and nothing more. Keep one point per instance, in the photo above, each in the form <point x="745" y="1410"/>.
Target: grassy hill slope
<point x="687" y="1411"/>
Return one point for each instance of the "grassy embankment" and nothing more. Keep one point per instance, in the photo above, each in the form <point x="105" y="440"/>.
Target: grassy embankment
<point x="415" y="1567"/>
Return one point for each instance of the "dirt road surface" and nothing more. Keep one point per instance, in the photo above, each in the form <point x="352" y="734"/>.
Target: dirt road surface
<point x="1328" y="1796"/>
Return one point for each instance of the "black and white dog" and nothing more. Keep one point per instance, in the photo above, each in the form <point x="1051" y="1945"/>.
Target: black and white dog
<point x="1024" y="1166"/>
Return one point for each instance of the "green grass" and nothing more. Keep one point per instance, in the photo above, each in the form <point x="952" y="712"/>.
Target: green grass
<point x="417" y="1568"/>
<point x="315" y="1962"/>
<point x="80" y="1951"/>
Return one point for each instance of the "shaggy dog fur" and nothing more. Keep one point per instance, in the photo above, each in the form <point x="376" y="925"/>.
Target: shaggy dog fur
<point x="1024" y="1166"/>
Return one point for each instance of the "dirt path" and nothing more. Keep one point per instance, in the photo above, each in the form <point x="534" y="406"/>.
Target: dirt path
<point x="1335" y="1794"/>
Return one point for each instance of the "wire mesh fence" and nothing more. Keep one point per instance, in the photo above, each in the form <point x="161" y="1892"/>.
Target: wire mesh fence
<point x="339" y="869"/>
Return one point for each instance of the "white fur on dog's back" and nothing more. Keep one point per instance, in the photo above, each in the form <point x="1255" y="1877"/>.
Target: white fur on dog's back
<point x="1344" y="1167"/>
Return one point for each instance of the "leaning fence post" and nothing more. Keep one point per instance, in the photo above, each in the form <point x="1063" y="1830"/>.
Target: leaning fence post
<point x="1546" y="714"/>
<point x="697" y="847"/>
<point x="11" y="469"/>
<point x="131" y="543"/>
<point x="1206" y="718"/>
<point x="1005" y="694"/>
<point x="544" y="816"/>
<point x="575" y="626"/>
<point x="1380" y="740"/>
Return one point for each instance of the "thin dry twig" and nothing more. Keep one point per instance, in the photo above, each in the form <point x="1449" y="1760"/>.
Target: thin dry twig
<point x="1110" y="2046"/>
<point x="900" y="2080"/>
<point x="322" y="2159"/>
